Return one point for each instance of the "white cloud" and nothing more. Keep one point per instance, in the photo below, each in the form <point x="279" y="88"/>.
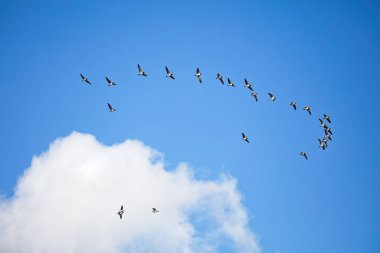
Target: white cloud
<point x="67" y="202"/>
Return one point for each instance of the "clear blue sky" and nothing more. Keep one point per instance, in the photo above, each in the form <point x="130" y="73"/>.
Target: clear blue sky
<point x="325" y="54"/>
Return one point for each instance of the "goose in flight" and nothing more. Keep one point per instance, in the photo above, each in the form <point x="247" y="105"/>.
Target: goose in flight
<point x="248" y="85"/>
<point x="321" y="144"/>
<point x="110" y="82"/>
<point x="230" y="83"/>
<point x="141" y="71"/>
<point x="198" y="74"/>
<point x="111" y="109"/>
<point x="328" y="135"/>
<point x="220" y="78"/>
<point x="120" y="212"/>
<point x="294" y="104"/>
<point x="84" y="79"/>
<point x="304" y="155"/>
<point x="308" y="109"/>
<point x="271" y="97"/>
<point x="327" y="118"/>
<point x="254" y="94"/>
<point x="169" y="74"/>
<point x="328" y="130"/>
<point x="154" y="210"/>
<point x="322" y="123"/>
<point x="244" y="138"/>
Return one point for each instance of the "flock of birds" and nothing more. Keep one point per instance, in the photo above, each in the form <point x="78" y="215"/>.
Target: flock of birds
<point x="323" y="143"/>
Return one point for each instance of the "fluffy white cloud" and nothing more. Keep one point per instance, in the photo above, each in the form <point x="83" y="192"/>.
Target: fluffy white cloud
<point x="67" y="202"/>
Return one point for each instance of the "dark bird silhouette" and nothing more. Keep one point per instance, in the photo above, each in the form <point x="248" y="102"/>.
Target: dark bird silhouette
<point x="304" y="155"/>
<point x="110" y="83"/>
<point x="254" y="94"/>
<point x="322" y="144"/>
<point x="248" y="85"/>
<point x="327" y="118"/>
<point x="244" y="137"/>
<point x="294" y="104"/>
<point x="328" y="135"/>
<point x="84" y="79"/>
<point x="111" y="109"/>
<point x="120" y="212"/>
<point x="271" y="97"/>
<point x="230" y="83"/>
<point x="169" y="74"/>
<point x="308" y="109"/>
<point x="198" y="74"/>
<point x="322" y="123"/>
<point x="220" y="78"/>
<point x="154" y="210"/>
<point x="141" y="71"/>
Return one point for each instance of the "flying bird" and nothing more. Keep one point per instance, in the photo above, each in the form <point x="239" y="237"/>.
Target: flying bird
<point x="230" y="83"/>
<point x="254" y="94"/>
<point x="322" y="123"/>
<point x="154" y="210"/>
<point x="328" y="135"/>
<point x="198" y="74"/>
<point x="248" y="85"/>
<point x="141" y="71"/>
<point x="110" y="83"/>
<point x="111" y="109"/>
<point x="329" y="130"/>
<point x="120" y="212"/>
<point x="169" y="74"/>
<point x="271" y="97"/>
<point x="308" y="109"/>
<point x="327" y="118"/>
<point x="244" y="137"/>
<point x="321" y="144"/>
<point x="220" y="78"/>
<point x="294" y="104"/>
<point x="84" y="79"/>
<point x="304" y="155"/>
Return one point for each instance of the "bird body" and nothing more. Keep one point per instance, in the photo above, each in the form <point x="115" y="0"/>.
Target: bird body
<point x="220" y="78"/>
<point x="198" y="74"/>
<point x="230" y="83"/>
<point x="271" y="97"/>
<point x="294" y="104"/>
<point x="327" y="118"/>
<point x="304" y="154"/>
<point x="111" y="109"/>
<point x="169" y="74"/>
<point x="254" y="94"/>
<point x="308" y="109"/>
<point x="244" y="137"/>
<point x="141" y="71"/>
<point x="84" y="79"/>
<point x="248" y="85"/>
<point x="110" y="82"/>
<point x="120" y="212"/>
<point x="154" y="210"/>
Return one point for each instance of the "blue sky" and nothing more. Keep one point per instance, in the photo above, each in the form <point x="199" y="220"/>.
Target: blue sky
<point x="324" y="54"/>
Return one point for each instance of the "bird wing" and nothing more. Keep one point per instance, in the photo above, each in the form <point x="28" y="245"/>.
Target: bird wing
<point x="246" y="82"/>
<point x="250" y="87"/>
<point x="83" y="77"/>
<point x="110" y="107"/>
<point x="108" y="80"/>
<point x="198" y="71"/>
<point x="139" y="68"/>
<point x="270" y="94"/>
<point x="167" y="70"/>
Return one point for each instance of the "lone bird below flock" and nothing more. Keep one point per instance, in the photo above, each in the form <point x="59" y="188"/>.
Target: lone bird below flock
<point x="84" y="79"/>
<point x="254" y="94"/>
<point x="248" y="85"/>
<point x="120" y="212"/>
<point x="244" y="137"/>
<point x="304" y="155"/>
<point x="308" y="109"/>
<point x="294" y="104"/>
<point x="230" y="83"/>
<point x="220" y="78"/>
<point x="110" y="82"/>
<point x="154" y="210"/>
<point x="141" y="71"/>
<point x="271" y="97"/>
<point x="111" y="109"/>
<point x="198" y="74"/>
<point x="169" y="74"/>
